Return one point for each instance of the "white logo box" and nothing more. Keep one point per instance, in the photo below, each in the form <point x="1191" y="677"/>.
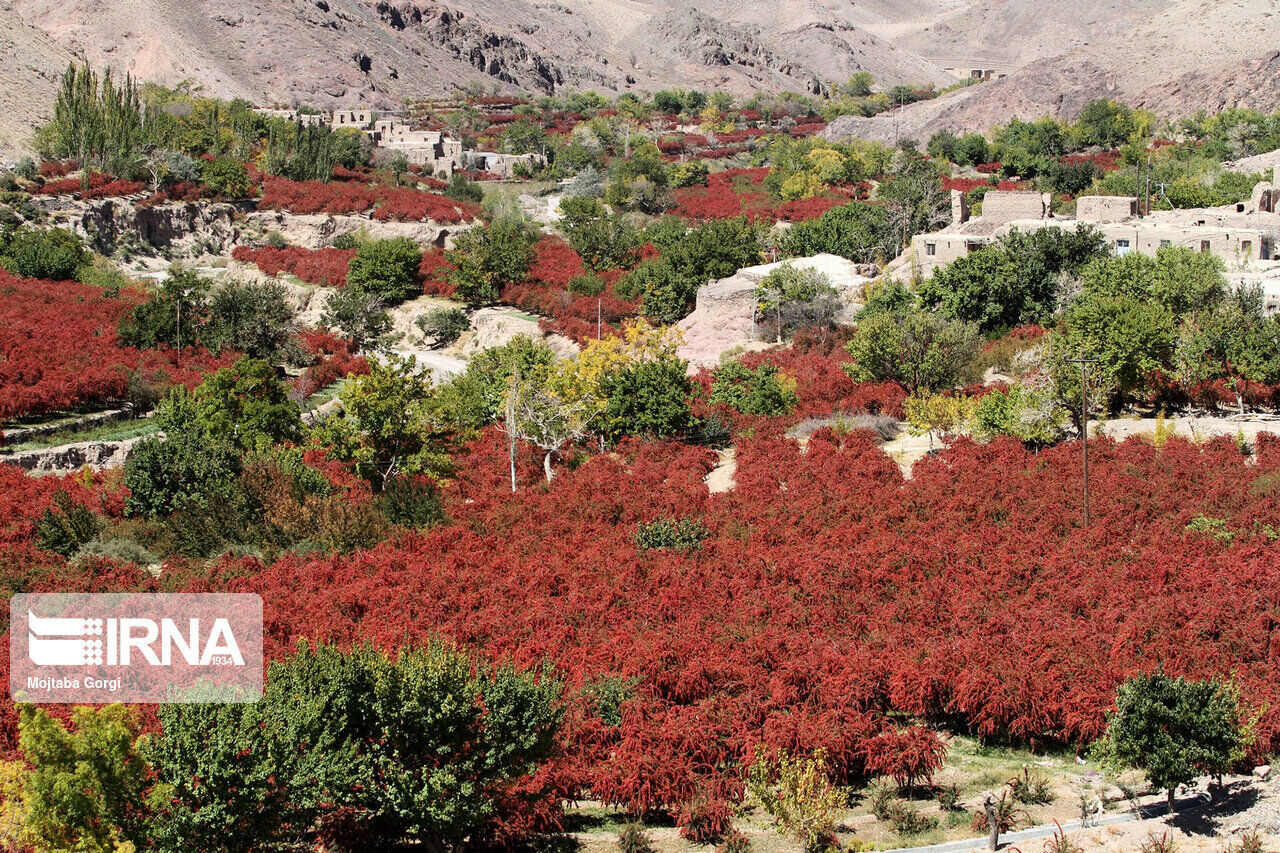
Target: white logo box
<point x="84" y="648"/>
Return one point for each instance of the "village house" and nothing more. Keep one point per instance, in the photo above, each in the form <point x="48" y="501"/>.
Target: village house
<point x="1246" y="235"/>
<point x="433" y="150"/>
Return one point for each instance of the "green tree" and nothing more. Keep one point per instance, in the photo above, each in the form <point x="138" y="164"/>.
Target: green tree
<point x="1105" y="123"/>
<point x="602" y="240"/>
<point x="389" y="427"/>
<point x="762" y="391"/>
<point x="226" y="177"/>
<point x="921" y="350"/>
<point x="477" y="398"/>
<point x="1235" y="340"/>
<point x="359" y="316"/>
<point x="649" y="398"/>
<point x="1180" y="279"/>
<point x="387" y="268"/>
<point x="797" y="296"/>
<point x="858" y="231"/>
<point x="54" y="254"/>
<point x="187" y="468"/>
<point x="1131" y="337"/>
<point x="425" y="745"/>
<point x="253" y="318"/>
<point x="1030" y="415"/>
<point x="489" y="258"/>
<point x="84" y="789"/>
<point x="174" y="313"/>
<point x="1013" y="281"/>
<point x="246" y="405"/>
<point x="1174" y="729"/>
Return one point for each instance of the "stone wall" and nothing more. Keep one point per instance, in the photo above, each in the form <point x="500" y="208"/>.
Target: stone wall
<point x="999" y="206"/>
<point x="1105" y="208"/>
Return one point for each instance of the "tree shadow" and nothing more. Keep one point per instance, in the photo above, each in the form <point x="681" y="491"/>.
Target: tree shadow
<point x="1204" y="817"/>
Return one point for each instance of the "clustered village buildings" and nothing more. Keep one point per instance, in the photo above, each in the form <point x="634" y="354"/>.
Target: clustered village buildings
<point x="432" y="149"/>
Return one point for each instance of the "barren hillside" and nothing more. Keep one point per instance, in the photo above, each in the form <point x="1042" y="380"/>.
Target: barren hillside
<point x="30" y="63"/>
<point x="1192" y="55"/>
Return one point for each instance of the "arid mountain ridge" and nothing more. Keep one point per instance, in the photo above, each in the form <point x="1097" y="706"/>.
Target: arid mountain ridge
<point x="1173" y="56"/>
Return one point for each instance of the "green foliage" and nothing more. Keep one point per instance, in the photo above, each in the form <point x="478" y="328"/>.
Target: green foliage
<point x="1128" y="335"/>
<point x="671" y="534"/>
<point x="445" y="325"/>
<point x="907" y="820"/>
<point x="1031" y="789"/>
<point x="602" y="240"/>
<point x="183" y="469"/>
<point x="608" y="695"/>
<point x="587" y="285"/>
<point x="174" y="312"/>
<point x="226" y="177"/>
<point x="796" y="297"/>
<point x="1106" y="124"/>
<point x="411" y="502"/>
<point x="387" y="269"/>
<point x="1174" y="729"/>
<point x="390" y="425"/>
<point x="649" y="398"/>
<point x="1014" y="281"/>
<point x="489" y="258"/>
<point x="86" y="783"/>
<point x="921" y="350"/>
<point x="690" y="259"/>
<point x="421" y="746"/>
<point x="665" y="294"/>
<point x="1027" y="414"/>
<point x="66" y="526"/>
<point x="634" y="839"/>
<point x="691" y="174"/>
<point x="309" y="152"/>
<point x="762" y="391"/>
<point x="858" y="231"/>
<point x="887" y="297"/>
<point x="54" y="254"/>
<point x="359" y="316"/>
<point x="799" y="795"/>
<point x="462" y="188"/>
<point x="477" y="397"/>
<point x="245" y="405"/>
<point x="1180" y="279"/>
<point x="254" y="319"/>
<point x="94" y="120"/>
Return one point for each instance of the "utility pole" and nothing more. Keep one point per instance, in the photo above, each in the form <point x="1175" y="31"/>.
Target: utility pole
<point x="1147" y="212"/>
<point x="1084" y="425"/>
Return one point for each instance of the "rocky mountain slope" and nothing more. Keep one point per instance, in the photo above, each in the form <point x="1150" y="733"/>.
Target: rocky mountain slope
<point x="1187" y="56"/>
<point x="1175" y="56"/>
<point x="30" y="63"/>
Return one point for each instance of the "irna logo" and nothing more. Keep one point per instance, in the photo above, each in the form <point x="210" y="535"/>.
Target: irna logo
<point x="61" y="641"/>
<point x="135" y="648"/>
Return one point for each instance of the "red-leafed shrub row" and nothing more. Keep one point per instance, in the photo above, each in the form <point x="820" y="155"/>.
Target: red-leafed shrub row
<point x="333" y="360"/>
<point x="964" y="185"/>
<point x="385" y="202"/>
<point x="100" y="186"/>
<point x="434" y="269"/>
<point x="990" y="168"/>
<point x="740" y="192"/>
<point x="317" y="266"/>
<point x="829" y="593"/>
<point x="58" y="348"/>
<point x="1107" y="161"/>
<point x="58" y="168"/>
<point x="546" y="292"/>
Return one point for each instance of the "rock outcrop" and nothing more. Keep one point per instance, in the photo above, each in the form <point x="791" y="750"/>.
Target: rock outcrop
<point x="98" y="455"/>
